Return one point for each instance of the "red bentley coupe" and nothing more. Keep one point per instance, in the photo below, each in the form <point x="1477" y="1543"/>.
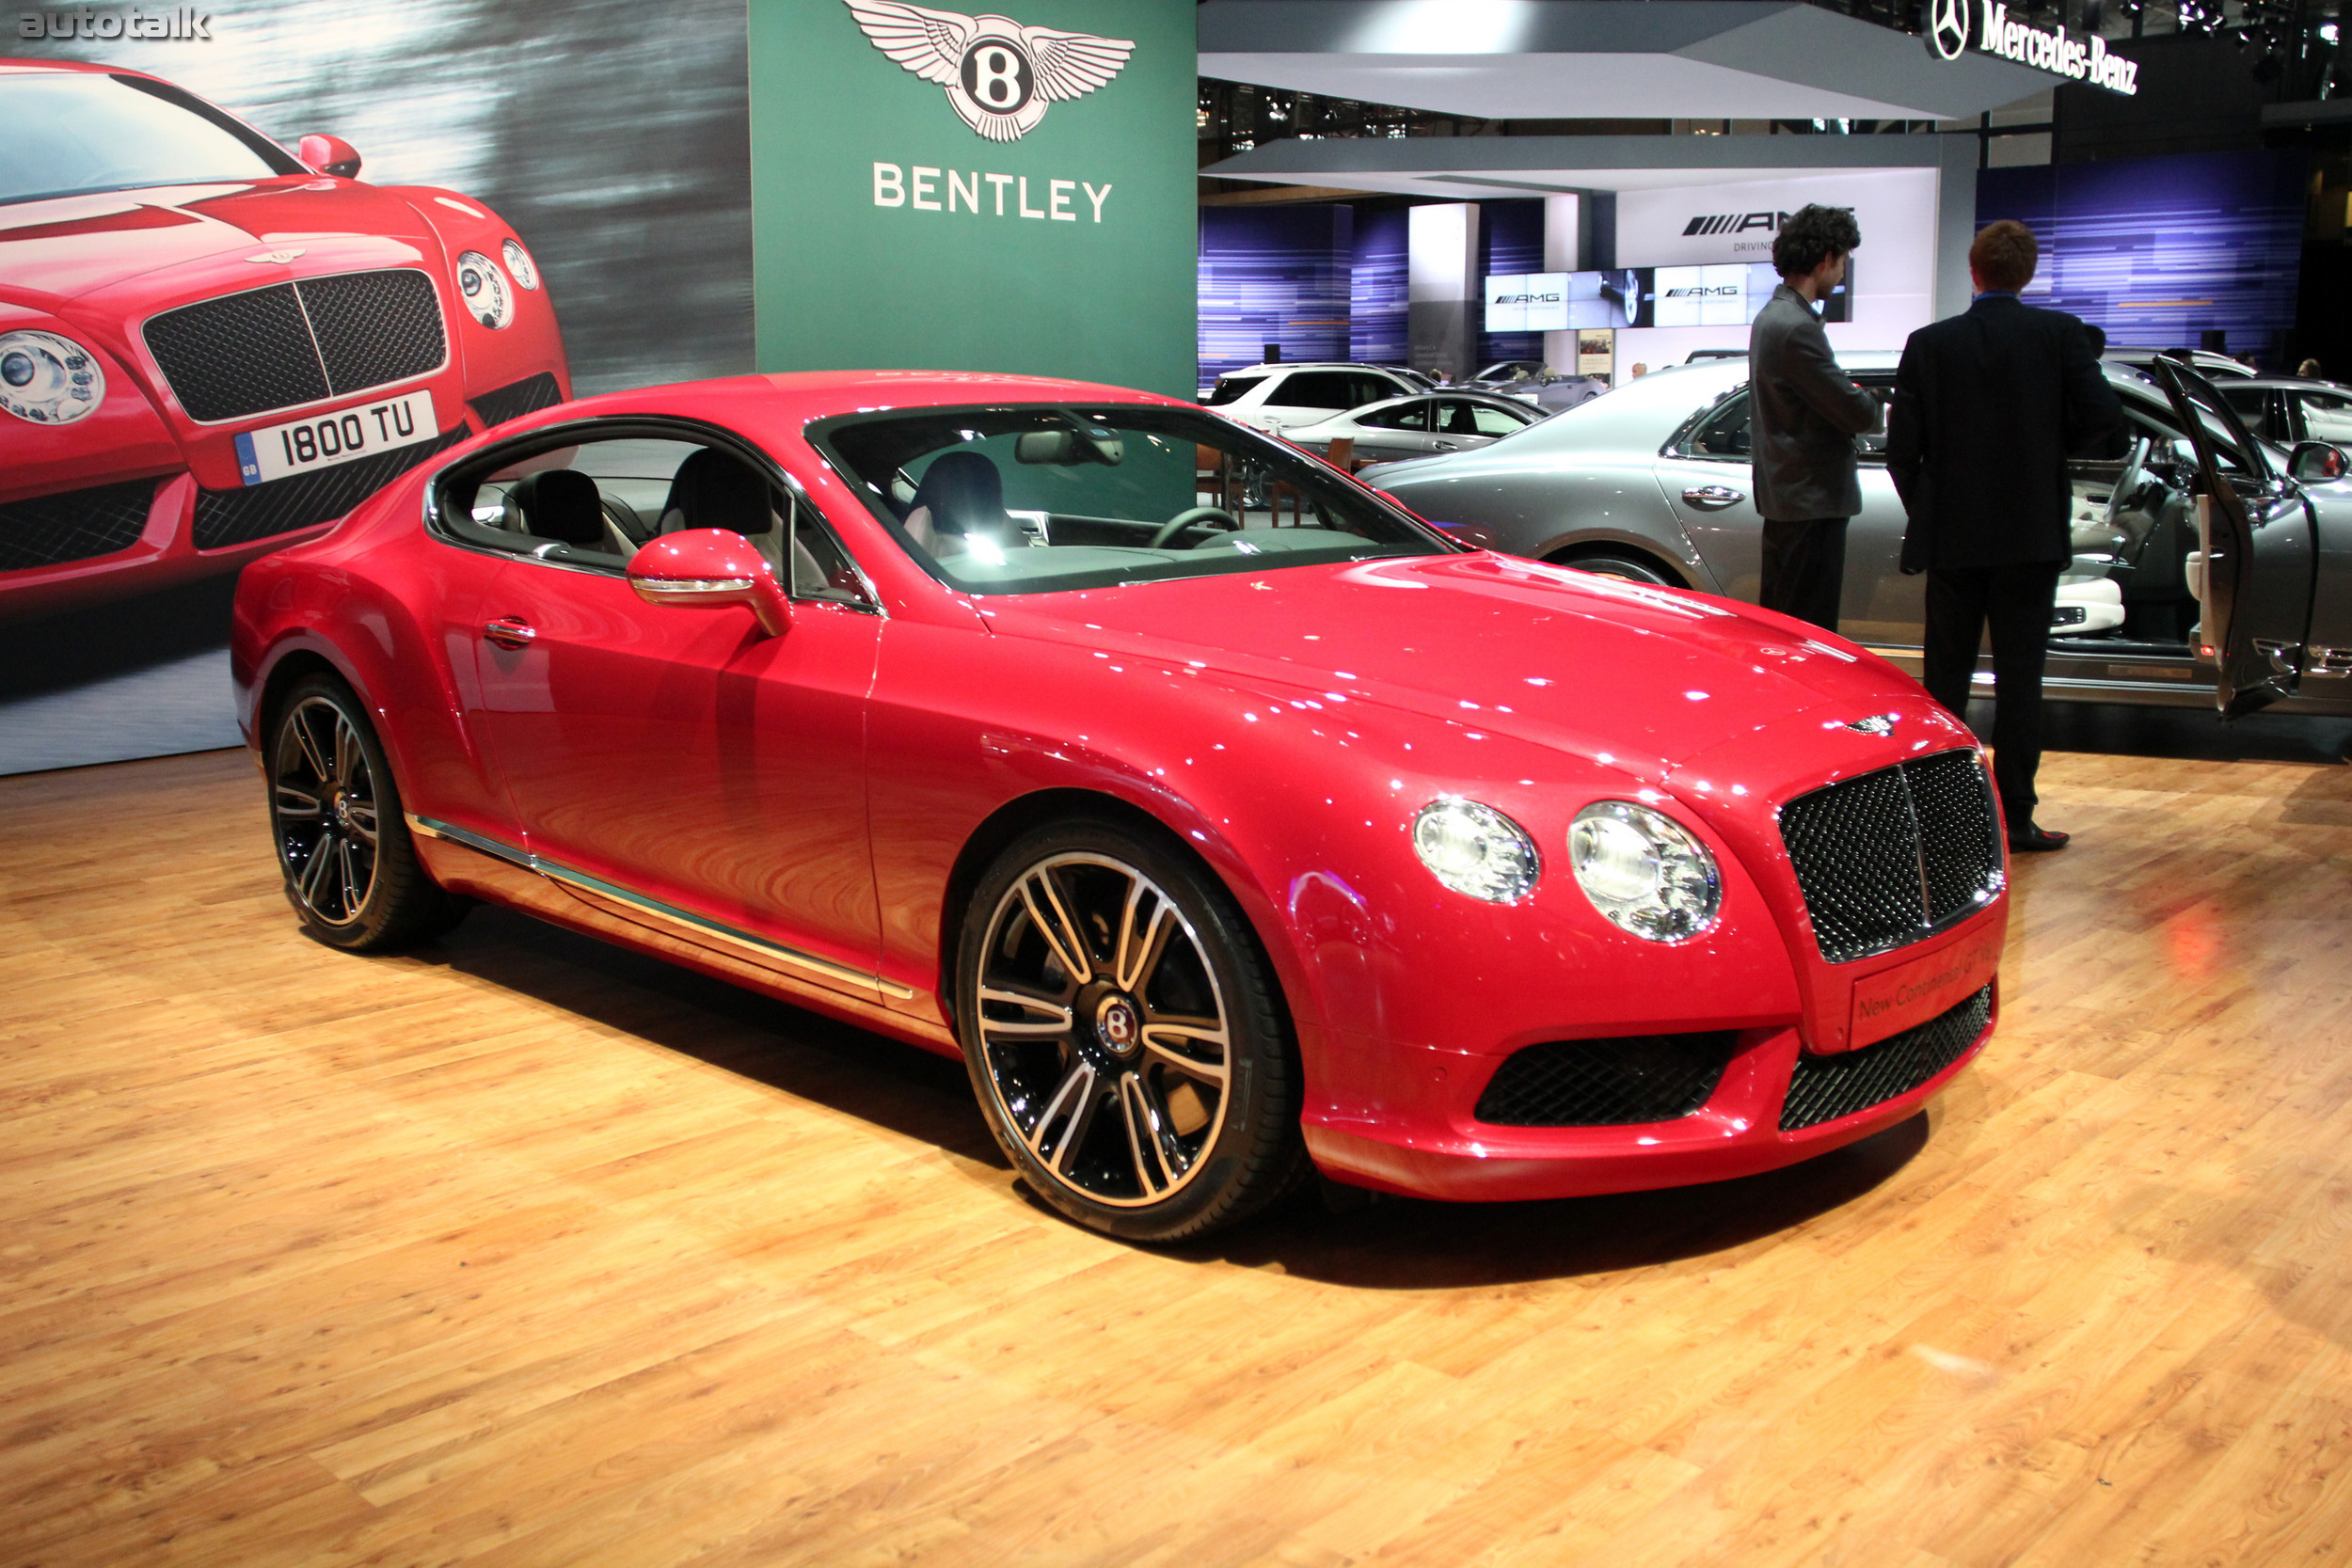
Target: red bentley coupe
<point x="208" y="345"/>
<point x="1220" y="814"/>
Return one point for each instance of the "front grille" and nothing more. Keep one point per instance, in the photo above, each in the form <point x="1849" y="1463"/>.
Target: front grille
<point x="294" y="343"/>
<point x="1607" y="1082"/>
<point x="225" y="518"/>
<point x="1888" y="858"/>
<point x="518" y="398"/>
<point x="1826" y="1087"/>
<point x="78" y="524"/>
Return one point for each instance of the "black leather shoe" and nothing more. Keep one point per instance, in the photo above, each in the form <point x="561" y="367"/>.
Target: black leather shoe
<point x="2031" y="839"/>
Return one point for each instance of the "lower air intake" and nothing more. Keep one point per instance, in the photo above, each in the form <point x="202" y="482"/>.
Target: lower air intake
<point x="518" y="398"/>
<point x="79" y="524"/>
<point x="1827" y="1087"/>
<point x="1608" y="1082"/>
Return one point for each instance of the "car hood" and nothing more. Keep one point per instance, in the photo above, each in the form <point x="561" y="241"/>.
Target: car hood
<point x="1638" y="678"/>
<point x="70" y="247"/>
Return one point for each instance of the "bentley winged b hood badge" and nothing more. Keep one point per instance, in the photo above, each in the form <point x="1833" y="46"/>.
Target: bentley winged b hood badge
<point x="1000" y="77"/>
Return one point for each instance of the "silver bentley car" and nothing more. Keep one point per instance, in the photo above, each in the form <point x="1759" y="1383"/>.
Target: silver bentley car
<point x="2206" y="558"/>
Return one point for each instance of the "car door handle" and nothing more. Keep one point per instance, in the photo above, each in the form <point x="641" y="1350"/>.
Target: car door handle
<point x="509" y="631"/>
<point x="1713" y="498"/>
<point x="1445" y="446"/>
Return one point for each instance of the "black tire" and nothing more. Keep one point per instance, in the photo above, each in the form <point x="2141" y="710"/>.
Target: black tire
<point x="351" y="868"/>
<point x="1626" y="565"/>
<point x="1156" y="1098"/>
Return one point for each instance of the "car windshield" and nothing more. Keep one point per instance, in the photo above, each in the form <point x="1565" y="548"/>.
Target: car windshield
<point x="68" y="133"/>
<point x="1035" y="500"/>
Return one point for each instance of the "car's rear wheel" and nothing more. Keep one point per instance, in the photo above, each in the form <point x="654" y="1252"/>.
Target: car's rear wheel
<point x="1123" y="1036"/>
<point x="1625" y="564"/>
<point x="351" y="868"/>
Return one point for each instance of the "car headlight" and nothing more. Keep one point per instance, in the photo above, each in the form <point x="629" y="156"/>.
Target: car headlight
<point x="48" y="379"/>
<point x="1644" y="871"/>
<point x="518" y="264"/>
<point x="1476" y="849"/>
<point x="487" y="298"/>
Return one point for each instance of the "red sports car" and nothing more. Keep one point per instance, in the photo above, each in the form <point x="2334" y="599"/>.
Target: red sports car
<point x="1220" y="814"/>
<point x="208" y="346"/>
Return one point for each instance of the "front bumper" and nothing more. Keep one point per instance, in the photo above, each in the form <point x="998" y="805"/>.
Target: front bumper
<point x="1446" y="1153"/>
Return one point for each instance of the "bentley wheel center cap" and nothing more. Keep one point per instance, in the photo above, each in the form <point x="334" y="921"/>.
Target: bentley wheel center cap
<point x="1117" y="1024"/>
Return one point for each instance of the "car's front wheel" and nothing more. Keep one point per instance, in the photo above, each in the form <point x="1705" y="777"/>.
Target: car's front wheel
<point x="1123" y="1036"/>
<point x="1626" y="565"/>
<point x="350" y="867"/>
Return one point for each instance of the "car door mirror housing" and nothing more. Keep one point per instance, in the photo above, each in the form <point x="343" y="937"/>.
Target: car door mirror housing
<point x="331" y="155"/>
<point x="710" y="568"/>
<point x="2317" y="462"/>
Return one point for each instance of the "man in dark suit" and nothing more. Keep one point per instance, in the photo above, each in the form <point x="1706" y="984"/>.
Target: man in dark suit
<point x="1988" y="405"/>
<point x="1803" y="415"/>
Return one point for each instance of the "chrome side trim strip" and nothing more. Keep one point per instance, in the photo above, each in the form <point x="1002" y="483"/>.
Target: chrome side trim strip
<point x="685" y="919"/>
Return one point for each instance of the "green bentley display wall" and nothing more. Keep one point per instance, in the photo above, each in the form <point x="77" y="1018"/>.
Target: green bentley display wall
<point x="932" y="190"/>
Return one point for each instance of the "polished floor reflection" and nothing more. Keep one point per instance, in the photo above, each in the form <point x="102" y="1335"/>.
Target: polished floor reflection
<point x="522" y="1250"/>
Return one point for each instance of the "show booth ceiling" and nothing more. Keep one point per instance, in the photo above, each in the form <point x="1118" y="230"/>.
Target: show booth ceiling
<point x="1475" y="169"/>
<point x="1601" y="59"/>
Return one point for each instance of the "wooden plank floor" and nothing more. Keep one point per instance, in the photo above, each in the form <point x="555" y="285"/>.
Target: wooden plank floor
<point x="523" y="1251"/>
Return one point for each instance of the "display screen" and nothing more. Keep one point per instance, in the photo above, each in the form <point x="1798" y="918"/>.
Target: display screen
<point x="1526" y="301"/>
<point x="1729" y="294"/>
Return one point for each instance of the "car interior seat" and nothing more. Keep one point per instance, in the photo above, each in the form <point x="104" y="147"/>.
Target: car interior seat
<point x="561" y="504"/>
<point x="1460" y="421"/>
<point x="714" y="489"/>
<point x="962" y="492"/>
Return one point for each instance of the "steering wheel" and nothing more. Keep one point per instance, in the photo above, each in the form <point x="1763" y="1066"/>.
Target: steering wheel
<point x="1192" y="517"/>
<point x="2135" y="466"/>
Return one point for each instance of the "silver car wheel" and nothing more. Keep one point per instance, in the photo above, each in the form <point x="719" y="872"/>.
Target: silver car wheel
<point x="1104" y="1035"/>
<point x="323" y="811"/>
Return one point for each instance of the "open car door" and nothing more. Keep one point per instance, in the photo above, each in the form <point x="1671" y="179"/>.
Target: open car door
<point x="2253" y="568"/>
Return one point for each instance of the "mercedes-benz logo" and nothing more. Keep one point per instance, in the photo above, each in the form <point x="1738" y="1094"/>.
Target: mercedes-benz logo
<point x="1947" y="29"/>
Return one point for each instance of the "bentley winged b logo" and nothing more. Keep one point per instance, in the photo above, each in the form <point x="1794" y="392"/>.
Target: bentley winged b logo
<point x="999" y="75"/>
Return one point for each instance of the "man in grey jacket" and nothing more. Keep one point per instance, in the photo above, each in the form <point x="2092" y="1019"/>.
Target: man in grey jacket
<point x="1805" y="413"/>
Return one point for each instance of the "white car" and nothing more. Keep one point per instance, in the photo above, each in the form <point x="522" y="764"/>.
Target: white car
<point x="1418" y="426"/>
<point x="1275" y="397"/>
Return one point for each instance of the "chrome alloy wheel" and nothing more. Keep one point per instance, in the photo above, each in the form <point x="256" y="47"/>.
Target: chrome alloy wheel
<point x="323" y="811"/>
<point x="1105" y="1034"/>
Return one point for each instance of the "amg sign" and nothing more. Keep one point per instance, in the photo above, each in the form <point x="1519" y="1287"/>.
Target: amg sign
<point x="1733" y="223"/>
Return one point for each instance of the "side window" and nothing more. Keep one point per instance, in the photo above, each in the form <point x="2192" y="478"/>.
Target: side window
<point x="1330" y="389"/>
<point x="1494" y="422"/>
<point x="1372" y="388"/>
<point x="1723" y="434"/>
<point x="596" y="504"/>
<point x="1404" y="415"/>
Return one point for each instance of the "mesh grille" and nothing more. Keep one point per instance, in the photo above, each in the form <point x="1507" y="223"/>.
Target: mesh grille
<point x="78" y="524"/>
<point x="1826" y="1087"/>
<point x="375" y="328"/>
<point x="225" y="518"/>
<point x="249" y="353"/>
<point x="1606" y="1083"/>
<point x="1886" y="858"/>
<point x="229" y="358"/>
<point x="518" y="398"/>
<point x="1959" y="834"/>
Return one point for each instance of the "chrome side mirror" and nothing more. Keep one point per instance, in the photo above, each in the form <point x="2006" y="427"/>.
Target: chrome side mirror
<point x="330" y="155"/>
<point x="710" y="568"/>
<point x="2318" y="462"/>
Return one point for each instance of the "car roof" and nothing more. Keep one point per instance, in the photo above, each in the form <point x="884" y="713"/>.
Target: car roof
<point x="2294" y="383"/>
<point x="1310" y="365"/>
<point x="16" y="65"/>
<point x="783" y="403"/>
